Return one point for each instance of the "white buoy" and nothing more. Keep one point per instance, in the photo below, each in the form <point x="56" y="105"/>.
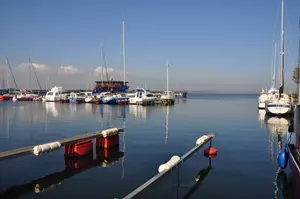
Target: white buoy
<point x="202" y="139"/>
<point x="172" y="162"/>
<point x="45" y="148"/>
<point x="110" y="132"/>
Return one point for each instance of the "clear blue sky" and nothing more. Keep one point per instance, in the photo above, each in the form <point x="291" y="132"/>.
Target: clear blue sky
<point x="222" y="45"/>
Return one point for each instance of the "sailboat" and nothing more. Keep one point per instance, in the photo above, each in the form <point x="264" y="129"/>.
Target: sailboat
<point x="280" y="103"/>
<point x="168" y="97"/>
<point x="265" y="95"/>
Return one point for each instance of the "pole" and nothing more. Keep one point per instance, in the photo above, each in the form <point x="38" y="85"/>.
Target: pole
<point x="123" y="52"/>
<point x="167" y="75"/>
<point x="282" y="47"/>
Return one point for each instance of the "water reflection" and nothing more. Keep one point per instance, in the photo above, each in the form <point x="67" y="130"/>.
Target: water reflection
<point x="276" y="125"/>
<point x="51" y="109"/>
<point x="140" y="112"/>
<point x="167" y="124"/>
<point x="73" y="166"/>
<point x="261" y="117"/>
<point x="5" y="123"/>
<point x="201" y="175"/>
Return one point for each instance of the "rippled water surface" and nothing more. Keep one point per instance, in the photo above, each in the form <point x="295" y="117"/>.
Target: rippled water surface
<point x="245" y="166"/>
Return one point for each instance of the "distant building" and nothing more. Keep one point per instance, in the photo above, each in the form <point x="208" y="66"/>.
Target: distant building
<point x="112" y="86"/>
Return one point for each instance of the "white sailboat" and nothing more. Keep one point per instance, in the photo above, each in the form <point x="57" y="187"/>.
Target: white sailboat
<point x="265" y="95"/>
<point x="168" y="97"/>
<point x="280" y="103"/>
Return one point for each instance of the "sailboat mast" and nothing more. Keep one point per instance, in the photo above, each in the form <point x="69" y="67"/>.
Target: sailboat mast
<point x="104" y="62"/>
<point x="102" y="65"/>
<point x="274" y="67"/>
<point x="282" y="48"/>
<point x="123" y="53"/>
<point x="37" y="79"/>
<point x="7" y="74"/>
<point x="12" y="74"/>
<point x="167" y="75"/>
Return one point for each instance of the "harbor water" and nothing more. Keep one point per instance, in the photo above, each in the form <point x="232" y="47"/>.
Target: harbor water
<point x="245" y="166"/>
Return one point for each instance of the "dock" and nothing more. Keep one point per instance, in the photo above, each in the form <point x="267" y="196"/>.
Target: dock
<point x="30" y="149"/>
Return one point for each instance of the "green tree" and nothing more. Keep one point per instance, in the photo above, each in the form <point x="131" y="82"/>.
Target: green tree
<point x="296" y="76"/>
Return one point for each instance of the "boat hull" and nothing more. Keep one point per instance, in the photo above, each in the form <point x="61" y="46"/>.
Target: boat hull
<point x="76" y="100"/>
<point x="90" y="100"/>
<point x="123" y="100"/>
<point x="294" y="161"/>
<point x="261" y="105"/>
<point x="278" y="109"/>
<point x="109" y="100"/>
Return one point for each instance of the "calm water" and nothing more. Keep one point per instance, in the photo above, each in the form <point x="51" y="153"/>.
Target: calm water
<point x="244" y="168"/>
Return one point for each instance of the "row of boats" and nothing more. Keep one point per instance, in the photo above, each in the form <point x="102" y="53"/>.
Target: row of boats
<point x="276" y="101"/>
<point x="58" y="94"/>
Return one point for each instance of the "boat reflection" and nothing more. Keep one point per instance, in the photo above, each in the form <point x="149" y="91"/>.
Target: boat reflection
<point x="277" y="125"/>
<point x="73" y="166"/>
<point x="51" y="109"/>
<point x="140" y="112"/>
<point x="167" y="124"/>
<point x="261" y="117"/>
<point x="5" y="123"/>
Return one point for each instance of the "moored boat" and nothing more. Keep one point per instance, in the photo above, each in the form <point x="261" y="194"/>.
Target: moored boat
<point x="142" y="97"/>
<point x="54" y="95"/>
<point x="76" y="98"/>
<point x="122" y="99"/>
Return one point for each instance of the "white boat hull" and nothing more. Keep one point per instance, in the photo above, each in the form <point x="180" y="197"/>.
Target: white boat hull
<point x="278" y="109"/>
<point x="261" y="105"/>
<point x="90" y="100"/>
<point x="51" y="99"/>
<point x="141" y="100"/>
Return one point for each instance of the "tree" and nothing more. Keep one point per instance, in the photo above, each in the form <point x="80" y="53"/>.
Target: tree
<point x="296" y="76"/>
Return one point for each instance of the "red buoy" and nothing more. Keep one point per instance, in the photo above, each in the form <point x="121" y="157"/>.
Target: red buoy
<point x="107" y="142"/>
<point x="210" y="151"/>
<point x="79" y="149"/>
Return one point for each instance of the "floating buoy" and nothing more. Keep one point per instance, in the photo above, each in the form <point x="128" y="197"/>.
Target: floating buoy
<point x="172" y="162"/>
<point x="202" y="139"/>
<point x="210" y="156"/>
<point x="45" y="148"/>
<point x="110" y="132"/>
<point x="282" y="159"/>
<point x="78" y="149"/>
<point x="210" y="151"/>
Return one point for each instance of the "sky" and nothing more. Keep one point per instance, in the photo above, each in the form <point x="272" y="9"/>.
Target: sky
<point x="216" y="45"/>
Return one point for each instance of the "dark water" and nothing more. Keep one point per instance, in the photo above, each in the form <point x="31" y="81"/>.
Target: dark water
<point x="244" y="168"/>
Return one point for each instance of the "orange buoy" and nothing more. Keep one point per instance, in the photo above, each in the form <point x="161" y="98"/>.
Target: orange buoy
<point x="110" y="141"/>
<point x="210" y="156"/>
<point x="210" y="151"/>
<point x="79" y="149"/>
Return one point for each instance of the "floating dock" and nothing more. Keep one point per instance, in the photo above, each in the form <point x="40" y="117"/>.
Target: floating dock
<point x="110" y="136"/>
